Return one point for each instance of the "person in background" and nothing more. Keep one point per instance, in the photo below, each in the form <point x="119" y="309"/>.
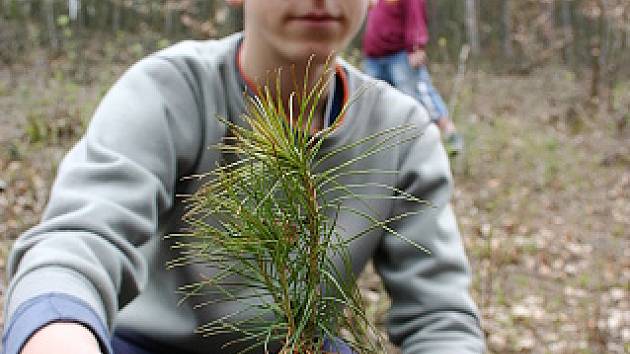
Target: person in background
<point x="90" y="278"/>
<point x="394" y="44"/>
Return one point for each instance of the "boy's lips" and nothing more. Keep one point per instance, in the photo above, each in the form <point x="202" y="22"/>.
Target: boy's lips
<point x="316" y="19"/>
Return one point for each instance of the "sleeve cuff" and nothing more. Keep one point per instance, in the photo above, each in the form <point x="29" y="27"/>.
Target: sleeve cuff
<point x="54" y="307"/>
<point x="336" y="345"/>
<point x="412" y="48"/>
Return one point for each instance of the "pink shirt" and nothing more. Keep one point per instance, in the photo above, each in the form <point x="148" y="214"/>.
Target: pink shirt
<point x="395" y="25"/>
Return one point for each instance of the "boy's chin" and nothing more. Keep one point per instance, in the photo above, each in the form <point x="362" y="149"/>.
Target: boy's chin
<point x="317" y="54"/>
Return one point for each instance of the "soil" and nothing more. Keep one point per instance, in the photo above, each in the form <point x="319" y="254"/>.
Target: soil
<point x="542" y="197"/>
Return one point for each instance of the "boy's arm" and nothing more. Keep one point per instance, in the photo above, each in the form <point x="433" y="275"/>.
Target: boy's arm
<point x="432" y="311"/>
<point x="81" y="263"/>
<point x="45" y="322"/>
<point x="62" y="338"/>
<point x="415" y="24"/>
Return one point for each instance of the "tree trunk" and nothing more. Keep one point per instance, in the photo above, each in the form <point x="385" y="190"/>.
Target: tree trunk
<point x="115" y="16"/>
<point x="27" y="9"/>
<point x="596" y="49"/>
<point x="73" y="9"/>
<point x="567" y="32"/>
<point x="471" y="27"/>
<point x="604" y="35"/>
<point x="104" y="9"/>
<point x="168" y="17"/>
<point x="508" y="49"/>
<point x="6" y="7"/>
<point x="49" y="12"/>
<point x="433" y="17"/>
<point x="609" y="55"/>
<point x="551" y="23"/>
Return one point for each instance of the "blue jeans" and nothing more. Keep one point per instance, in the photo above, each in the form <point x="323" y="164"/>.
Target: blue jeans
<point x="125" y="345"/>
<point x="416" y="82"/>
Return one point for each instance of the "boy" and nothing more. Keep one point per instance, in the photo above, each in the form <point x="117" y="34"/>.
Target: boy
<point x="91" y="275"/>
<point x="393" y="45"/>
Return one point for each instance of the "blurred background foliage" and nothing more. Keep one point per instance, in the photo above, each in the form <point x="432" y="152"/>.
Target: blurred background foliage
<point x="573" y="32"/>
<point x="542" y="191"/>
<point x="508" y="36"/>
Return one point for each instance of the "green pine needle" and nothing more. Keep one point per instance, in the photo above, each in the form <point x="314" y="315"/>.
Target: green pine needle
<point x="263" y="222"/>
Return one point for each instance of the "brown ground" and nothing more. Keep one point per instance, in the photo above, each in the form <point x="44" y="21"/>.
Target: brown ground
<point x="542" y="195"/>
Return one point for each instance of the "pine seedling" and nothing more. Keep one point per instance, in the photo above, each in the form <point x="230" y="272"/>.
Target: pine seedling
<point x="266" y="222"/>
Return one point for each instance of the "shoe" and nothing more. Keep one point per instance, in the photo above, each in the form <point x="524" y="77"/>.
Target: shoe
<point x="454" y="144"/>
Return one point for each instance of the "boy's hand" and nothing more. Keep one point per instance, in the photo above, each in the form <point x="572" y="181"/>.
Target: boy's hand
<point x="417" y="58"/>
<point x="62" y="338"/>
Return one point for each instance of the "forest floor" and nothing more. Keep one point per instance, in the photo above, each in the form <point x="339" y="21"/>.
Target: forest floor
<point x="542" y="196"/>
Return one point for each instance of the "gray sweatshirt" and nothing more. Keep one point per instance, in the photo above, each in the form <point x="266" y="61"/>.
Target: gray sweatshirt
<point x="98" y="256"/>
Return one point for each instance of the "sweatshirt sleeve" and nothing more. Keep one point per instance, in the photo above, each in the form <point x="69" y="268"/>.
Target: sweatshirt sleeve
<point x="44" y="309"/>
<point x="415" y="24"/>
<point x="432" y="311"/>
<point x="82" y="262"/>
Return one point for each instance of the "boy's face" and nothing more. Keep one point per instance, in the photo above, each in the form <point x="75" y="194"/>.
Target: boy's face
<point x="296" y="29"/>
